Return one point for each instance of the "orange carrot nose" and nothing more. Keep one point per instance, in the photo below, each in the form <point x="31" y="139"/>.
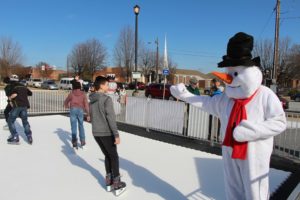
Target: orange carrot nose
<point x="223" y="76"/>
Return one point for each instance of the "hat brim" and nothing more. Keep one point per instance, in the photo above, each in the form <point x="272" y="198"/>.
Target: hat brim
<point x="239" y="62"/>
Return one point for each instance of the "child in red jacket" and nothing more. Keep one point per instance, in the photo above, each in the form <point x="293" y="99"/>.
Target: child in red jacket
<point x="77" y="102"/>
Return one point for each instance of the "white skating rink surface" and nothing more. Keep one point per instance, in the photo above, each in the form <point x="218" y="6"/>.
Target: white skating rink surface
<point x="50" y="170"/>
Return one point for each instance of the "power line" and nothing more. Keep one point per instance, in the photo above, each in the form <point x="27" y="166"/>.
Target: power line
<point x="188" y="51"/>
<point x="290" y="17"/>
<point x="192" y="53"/>
<point x="266" y="24"/>
<point x="196" y="55"/>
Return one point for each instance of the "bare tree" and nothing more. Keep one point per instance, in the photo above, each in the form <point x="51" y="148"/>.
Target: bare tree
<point x="294" y="61"/>
<point x="87" y="57"/>
<point x="10" y="55"/>
<point x="283" y="76"/>
<point x="264" y="49"/>
<point x="21" y="71"/>
<point x="124" y="51"/>
<point x="147" y="60"/>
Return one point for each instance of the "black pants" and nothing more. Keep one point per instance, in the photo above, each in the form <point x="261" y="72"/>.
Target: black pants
<point x="7" y="110"/>
<point x="109" y="150"/>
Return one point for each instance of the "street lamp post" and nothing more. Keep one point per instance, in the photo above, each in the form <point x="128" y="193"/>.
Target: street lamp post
<point x="136" y="10"/>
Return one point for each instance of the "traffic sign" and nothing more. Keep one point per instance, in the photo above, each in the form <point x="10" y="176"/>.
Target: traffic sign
<point x="166" y="72"/>
<point x="136" y="75"/>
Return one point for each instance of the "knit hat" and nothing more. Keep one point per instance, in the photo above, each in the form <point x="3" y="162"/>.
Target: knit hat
<point x="193" y="80"/>
<point x="239" y="50"/>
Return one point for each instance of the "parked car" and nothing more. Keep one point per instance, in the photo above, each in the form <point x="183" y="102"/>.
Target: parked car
<point x="139" y="85"/>
<point x="122" y="85"/>
<point x="86" y="85"/>
<point x="65" y="84"/>
<point x="155" y="90"/>
<point x="34" y="82"/>
<point x="207" y="91"/>
<point x="23" y="82"/>
<point x="50" y="85"/>
<point x="296" y="97"/>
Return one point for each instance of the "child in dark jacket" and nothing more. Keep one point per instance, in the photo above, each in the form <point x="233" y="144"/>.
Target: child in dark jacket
<point x="19" y="102"/>
<point x="77" y="102"/>
<point x="106" y="133"/>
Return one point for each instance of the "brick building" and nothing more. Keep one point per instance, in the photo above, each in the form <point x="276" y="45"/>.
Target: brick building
<point x="184" y="75"/>
<point x="47" y="74"/>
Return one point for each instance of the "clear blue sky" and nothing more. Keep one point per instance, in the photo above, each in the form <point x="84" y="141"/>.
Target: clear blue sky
<point x="197" y="30"/>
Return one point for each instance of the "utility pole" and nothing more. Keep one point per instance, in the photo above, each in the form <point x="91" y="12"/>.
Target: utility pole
<point x="157" y="60"/>
<point x="276" y="41"/>
<point x="68" y="65"/>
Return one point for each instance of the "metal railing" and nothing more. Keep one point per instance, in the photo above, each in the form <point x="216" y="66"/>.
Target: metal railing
<point x="188" y="121"/>
<point x="41" y="102"/>
<point x="166" y="116"/>
<point x="287" y="144"/>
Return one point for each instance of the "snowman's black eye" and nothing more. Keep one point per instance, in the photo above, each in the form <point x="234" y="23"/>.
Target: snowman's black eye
<point x="235" y="73"/>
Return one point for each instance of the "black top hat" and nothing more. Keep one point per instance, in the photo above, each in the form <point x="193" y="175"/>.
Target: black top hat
<point x="239" y="50"/>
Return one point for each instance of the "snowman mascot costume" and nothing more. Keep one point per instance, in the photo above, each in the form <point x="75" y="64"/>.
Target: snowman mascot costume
<point x="251" y="115"/>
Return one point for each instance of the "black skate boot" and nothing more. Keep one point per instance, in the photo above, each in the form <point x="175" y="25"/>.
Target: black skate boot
<point x="109" y="182"/>
<point x="13" y="139"/>
<point x="119" y="186"/>
<point x="74" y="143"/>
<point x="29" y="139"/>
<point x="82" y="143"/>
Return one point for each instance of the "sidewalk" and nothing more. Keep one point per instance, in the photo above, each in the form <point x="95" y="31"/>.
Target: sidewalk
<point x="50" y="169"/>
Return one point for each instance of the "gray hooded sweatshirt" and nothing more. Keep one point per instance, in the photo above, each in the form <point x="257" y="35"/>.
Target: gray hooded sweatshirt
<point x="103" y="116"/>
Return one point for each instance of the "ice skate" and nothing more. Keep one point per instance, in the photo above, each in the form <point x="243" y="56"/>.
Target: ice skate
<point x="29" y="139"/>
<point x="109" y="182"/>
<point x="119" y="186"/>
<point x="74" y="143"/>
<point x="13" y="140"/>
<point x="82" y="143"/>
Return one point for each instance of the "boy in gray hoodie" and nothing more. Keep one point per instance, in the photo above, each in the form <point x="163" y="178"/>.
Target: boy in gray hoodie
<point x="106" y="133"/>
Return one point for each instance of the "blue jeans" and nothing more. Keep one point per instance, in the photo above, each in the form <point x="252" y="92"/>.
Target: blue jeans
<point x="76" y="115"/>
<point x="22" y="113"/>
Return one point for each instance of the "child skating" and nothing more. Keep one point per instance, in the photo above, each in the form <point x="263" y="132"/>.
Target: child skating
<point x="77" y="102"/>
<point x="106" y="134"/>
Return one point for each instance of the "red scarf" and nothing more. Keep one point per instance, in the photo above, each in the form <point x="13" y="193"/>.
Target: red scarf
<point x="238" y="113"/>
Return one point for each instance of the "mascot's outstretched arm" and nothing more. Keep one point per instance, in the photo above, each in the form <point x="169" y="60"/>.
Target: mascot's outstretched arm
<point x="274" y="124"/>
<point x="206" y="103"/>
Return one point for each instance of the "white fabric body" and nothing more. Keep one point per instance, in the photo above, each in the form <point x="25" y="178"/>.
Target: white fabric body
<point x="244" y="179"/>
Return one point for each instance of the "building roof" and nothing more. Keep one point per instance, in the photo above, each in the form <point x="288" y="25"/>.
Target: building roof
<point x="190" y="72"/>
<point x="210" y="76"/>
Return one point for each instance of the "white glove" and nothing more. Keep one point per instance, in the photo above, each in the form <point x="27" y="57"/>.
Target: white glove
<point x="179" y="91"/>
<point x="244" y="132"/>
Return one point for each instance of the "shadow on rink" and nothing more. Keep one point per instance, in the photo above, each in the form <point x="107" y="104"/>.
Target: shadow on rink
<point x="68" y="151"/>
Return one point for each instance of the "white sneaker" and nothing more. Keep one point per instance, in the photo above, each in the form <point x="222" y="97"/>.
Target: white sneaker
<point x="5" y="127"/>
